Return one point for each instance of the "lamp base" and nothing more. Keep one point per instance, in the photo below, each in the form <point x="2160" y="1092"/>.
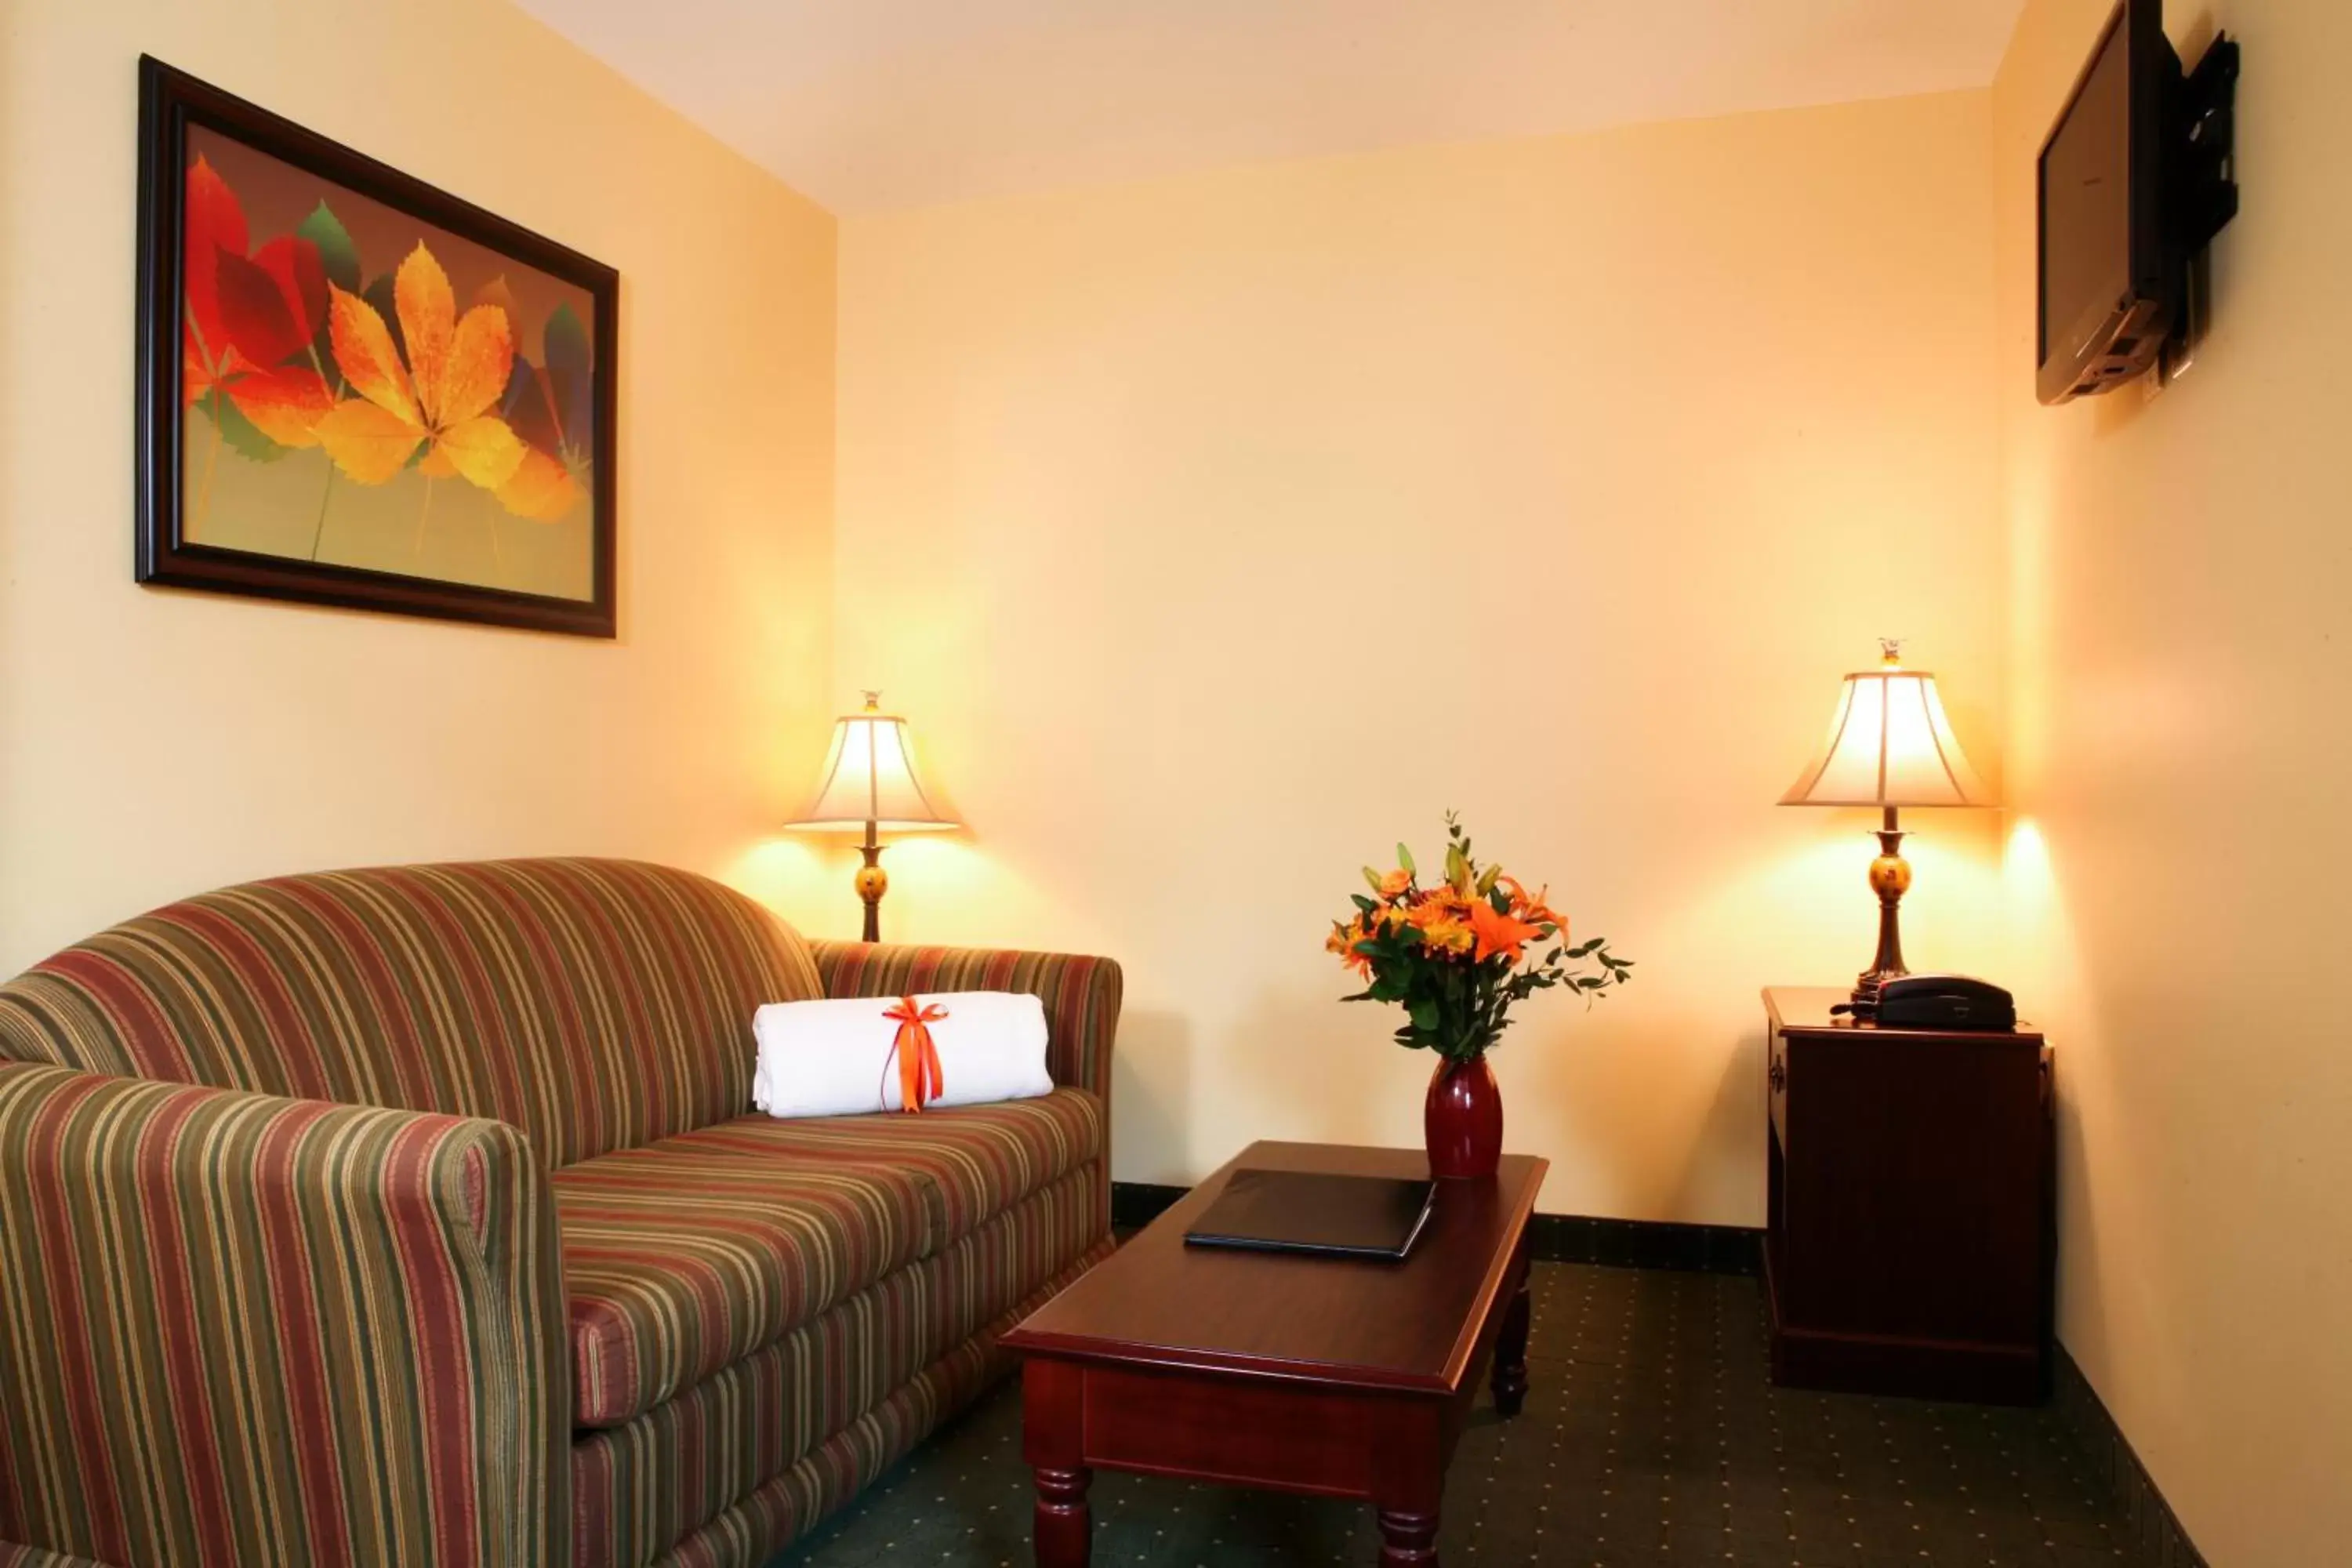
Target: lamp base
<point x="1866" y="986"/>
<point x="872" y="882"/>
<point x="1890" y="878"/>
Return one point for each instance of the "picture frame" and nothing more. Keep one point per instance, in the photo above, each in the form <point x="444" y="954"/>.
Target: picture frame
<point x="310" y="387"/>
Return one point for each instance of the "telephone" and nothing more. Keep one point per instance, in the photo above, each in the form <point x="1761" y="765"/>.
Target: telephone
<point x="1937" y="1002"/>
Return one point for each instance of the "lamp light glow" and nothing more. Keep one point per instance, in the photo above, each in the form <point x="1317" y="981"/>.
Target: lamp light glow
<point x="1890" y="745"/>
<point x="869" y="785"/>
<point x="869" y="776"/>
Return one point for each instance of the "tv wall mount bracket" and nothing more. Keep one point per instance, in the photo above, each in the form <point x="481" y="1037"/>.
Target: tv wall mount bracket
<point x="2204" y="148"/>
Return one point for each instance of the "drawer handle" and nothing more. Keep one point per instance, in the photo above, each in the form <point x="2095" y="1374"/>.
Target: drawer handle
<point x="1779" y="1074"/>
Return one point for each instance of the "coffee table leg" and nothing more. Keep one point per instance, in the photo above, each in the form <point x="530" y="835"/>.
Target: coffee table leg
<point x="1053" y="1402"/>
<point x="1408" y="1482"/>
<point x="1064" y="1522"/>
<point x="1511" y="1350"/>
<point x="1408" y="1540"/>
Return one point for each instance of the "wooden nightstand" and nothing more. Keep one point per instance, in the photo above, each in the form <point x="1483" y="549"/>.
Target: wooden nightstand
<point x="1909" y="1231"/>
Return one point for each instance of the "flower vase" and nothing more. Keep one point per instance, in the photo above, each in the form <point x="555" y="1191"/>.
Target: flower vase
<point x="1463" y="1119"/>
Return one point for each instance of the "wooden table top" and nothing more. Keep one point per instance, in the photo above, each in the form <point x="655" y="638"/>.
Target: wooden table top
<point x="1343" y="1322"/>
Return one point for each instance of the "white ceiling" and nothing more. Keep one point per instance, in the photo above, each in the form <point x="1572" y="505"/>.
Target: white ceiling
<point x="871" y="104"/>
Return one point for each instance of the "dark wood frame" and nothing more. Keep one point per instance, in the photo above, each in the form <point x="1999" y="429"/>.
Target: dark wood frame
<point x="169" y="102"/>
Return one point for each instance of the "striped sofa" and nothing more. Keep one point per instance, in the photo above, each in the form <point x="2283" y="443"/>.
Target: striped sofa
<point x="413" y="1216"/>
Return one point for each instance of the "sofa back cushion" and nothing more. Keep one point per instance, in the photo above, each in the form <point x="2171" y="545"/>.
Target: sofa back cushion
<point x="597" y="1005"/>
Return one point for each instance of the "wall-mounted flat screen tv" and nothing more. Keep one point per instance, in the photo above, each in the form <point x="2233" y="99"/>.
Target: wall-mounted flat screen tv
<point x="2110" y="280"/>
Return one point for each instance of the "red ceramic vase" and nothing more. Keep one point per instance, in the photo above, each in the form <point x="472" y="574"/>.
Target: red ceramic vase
<point x="1463" y="1120"/>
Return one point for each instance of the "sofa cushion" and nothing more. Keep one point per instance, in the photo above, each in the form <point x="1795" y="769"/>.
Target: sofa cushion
<point x="636" y="1490"/>
<point x="980" y="1159"/>
<point x="684" y="1257"/>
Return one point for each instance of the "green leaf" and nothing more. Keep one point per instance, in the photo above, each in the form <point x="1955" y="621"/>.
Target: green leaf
<point x="243" y="435"/>
<point x="1362" y="902"/>
<point x="337" y="255"/>
<point x="1423" y="1016"/>
<point x="1373" y="877"/>
<point x="567" y="342"/>
<point x="1487" y="882"/>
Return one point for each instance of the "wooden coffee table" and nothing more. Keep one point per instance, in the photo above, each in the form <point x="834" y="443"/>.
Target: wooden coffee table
<point x="1306" y="1374"/>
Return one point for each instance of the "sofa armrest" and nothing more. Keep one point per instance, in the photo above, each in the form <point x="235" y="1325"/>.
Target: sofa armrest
<point x="1081" y="994"/>
<point x="239" y="1329"/>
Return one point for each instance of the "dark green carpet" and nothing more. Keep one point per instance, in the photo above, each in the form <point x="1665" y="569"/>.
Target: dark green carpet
<point x="1650" y="1437"/>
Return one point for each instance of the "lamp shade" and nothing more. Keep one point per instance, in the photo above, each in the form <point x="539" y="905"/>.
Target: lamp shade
<point x="1890" y="744"/>
<point x="869" y="778"/>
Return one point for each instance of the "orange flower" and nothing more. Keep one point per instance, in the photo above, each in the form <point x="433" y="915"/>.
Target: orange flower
<point x="1533" y="910"/>
<point x="1449" y="935"/>
<point x="1345" y="935"/>
<point x="1439" y="916"/>
<point x="1396" y="883"/>
<point x="1506" y="934"/>
<point x="1443" y="918"/>
<point x="1443" y="901"/>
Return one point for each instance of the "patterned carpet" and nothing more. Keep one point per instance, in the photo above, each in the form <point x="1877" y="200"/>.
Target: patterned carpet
<point x="1650" y="1437"/>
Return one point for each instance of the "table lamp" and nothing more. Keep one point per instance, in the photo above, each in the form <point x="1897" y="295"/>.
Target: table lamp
<point x="869" y="783"/>
<point x="1890" y="746"/>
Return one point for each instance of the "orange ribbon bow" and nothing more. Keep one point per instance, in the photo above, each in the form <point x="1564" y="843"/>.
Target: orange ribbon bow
<point x="920" y="1077"/>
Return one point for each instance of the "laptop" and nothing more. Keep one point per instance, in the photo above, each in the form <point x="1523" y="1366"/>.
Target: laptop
<point x="1318" y="1213"/>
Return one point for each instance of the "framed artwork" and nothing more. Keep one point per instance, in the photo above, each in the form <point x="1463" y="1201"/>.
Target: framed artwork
<point x="355" y="389"/>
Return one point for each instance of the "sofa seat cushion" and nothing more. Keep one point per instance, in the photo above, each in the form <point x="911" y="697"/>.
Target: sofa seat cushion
<point x="636" y="1489"/>
<point x="978" y="1160"/>
<point x="682" y="1257"/>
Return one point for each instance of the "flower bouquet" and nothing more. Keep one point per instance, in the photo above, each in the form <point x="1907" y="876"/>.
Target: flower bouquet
<point x="1456" y="957"/>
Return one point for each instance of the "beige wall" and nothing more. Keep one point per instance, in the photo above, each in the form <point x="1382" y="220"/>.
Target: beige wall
<point x="2180" y="676"/>
<point x="154" y="742"/>
<point x="1215" y="533"/>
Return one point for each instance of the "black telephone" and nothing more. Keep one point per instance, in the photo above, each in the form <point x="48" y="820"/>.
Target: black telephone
<point x="1937" y="1001"/>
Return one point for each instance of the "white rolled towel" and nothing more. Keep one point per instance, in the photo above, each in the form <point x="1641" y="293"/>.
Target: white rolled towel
<point x="834" y="1057"/>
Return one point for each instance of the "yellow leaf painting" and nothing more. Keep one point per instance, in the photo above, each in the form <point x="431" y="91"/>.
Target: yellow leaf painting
<point x="436" y="396"/>
<point x="362" y="390"/>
